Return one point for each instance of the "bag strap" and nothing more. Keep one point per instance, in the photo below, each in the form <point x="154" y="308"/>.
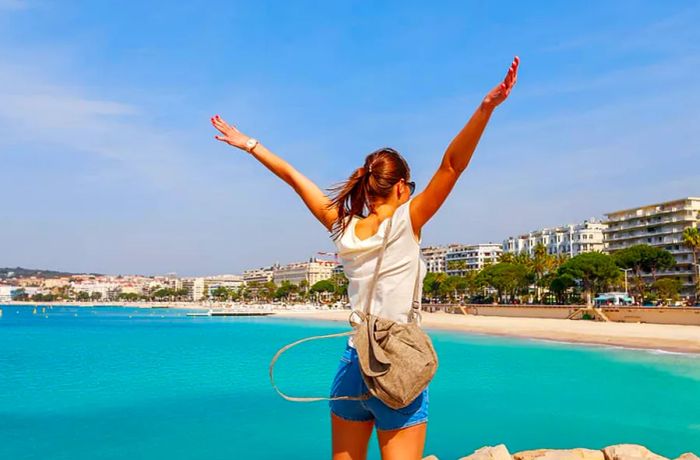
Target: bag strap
<point x="375" y="277"/>
<point x="362" y="397"/>
<point x="416" y="304"/>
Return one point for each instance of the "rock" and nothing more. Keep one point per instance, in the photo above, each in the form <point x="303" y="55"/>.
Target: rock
<point x="557" y="454"/>
<point x="688" y="456"/>
<point x="498" y="452"/>
<point x="630" y="452"/>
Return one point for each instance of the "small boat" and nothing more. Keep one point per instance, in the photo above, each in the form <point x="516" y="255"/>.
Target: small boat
<point x="200" y="313"/>
<point x="240" y="313"/>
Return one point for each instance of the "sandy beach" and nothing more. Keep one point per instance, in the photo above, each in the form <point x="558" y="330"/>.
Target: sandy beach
<point x="667" y="337"/>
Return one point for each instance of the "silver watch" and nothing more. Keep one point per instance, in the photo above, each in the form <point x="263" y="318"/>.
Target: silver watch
<point x="250" y="144"/>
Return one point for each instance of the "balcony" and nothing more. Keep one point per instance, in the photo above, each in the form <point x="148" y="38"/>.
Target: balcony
<point x="655" y="212"/>
<point x="648" y="224"/>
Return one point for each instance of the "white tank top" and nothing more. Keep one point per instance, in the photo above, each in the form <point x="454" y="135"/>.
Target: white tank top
<point x="397" y="275"/>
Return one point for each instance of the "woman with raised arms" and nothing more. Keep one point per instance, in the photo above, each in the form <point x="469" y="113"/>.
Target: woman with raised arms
<point x="382" y="186"/>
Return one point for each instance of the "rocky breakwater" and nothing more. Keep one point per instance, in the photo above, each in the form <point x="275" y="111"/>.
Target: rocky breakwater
<point x="617" y="452"/>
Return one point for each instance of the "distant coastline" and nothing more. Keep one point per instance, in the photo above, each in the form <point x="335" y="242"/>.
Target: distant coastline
<point x="660" y="337"/>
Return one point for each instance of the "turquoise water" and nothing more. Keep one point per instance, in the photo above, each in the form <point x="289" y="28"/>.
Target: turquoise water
<point x="117" y="383"/>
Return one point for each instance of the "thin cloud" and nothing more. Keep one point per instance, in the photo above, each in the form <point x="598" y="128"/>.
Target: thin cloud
<point x="13" y="5"/>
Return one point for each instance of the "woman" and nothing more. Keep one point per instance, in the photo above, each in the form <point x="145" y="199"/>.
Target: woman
<point x="382" y="185"/>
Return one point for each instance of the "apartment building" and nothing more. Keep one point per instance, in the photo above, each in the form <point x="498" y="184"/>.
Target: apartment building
<point x="313" y="271"/>
<point x="460" y="259"/>
<point x="569" y="240"/>
<point x="259" y="275"/>
<point x="434" y="256"/>
<point x="659" y="225"/>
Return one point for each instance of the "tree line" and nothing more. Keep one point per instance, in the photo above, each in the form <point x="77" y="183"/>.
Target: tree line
<point x="544" y="278"/>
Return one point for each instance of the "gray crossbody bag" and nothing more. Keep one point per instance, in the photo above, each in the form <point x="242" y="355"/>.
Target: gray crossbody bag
<point x="397" y="361"/>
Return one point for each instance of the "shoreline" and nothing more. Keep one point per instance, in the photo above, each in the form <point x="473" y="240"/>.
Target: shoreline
<point x="672" y="338"/>
<point x="652" y="337"/>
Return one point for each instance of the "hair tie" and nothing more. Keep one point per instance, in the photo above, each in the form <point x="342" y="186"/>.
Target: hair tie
<point x="370" y="169"/>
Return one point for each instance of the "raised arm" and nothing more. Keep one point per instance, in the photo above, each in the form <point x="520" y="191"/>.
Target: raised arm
<point x="310" y="193"/>
<point x="458" y="154"/>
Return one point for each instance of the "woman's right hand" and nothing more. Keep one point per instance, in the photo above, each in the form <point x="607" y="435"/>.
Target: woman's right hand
<point x="230" y="134"/>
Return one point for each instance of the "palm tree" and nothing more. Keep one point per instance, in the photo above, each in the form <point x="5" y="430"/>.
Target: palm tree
<point x="691" y="238"/>
<point x="304" y="288"/>
<point x="541" y="264"/>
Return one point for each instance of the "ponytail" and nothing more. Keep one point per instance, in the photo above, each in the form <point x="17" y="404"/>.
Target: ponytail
<point x="382" y="169"/>
<point x="350" y="199"/>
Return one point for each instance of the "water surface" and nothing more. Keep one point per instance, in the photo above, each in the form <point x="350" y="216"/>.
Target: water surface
<point x="117" y="383"/>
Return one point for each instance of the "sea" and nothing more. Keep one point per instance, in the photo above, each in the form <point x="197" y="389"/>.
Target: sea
<point x="125" y="383"/>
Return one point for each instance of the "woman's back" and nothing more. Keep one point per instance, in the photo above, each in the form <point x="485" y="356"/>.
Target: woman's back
<point x="397" y="275"/>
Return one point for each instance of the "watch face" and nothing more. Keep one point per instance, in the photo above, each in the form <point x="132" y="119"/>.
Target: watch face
<point x="250" y="143"/>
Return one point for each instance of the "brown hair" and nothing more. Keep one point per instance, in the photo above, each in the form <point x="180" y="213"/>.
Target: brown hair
<point x="383" y="168"/>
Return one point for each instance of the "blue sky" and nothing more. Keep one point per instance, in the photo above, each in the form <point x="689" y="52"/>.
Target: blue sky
<point x="108" y="161"/>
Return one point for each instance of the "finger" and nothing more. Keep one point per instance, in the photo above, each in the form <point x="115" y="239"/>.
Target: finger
<point x="217" y="124"/>
<point x="224" y="124"/>
<point x="220" y="138"/>
<point x="220" y="129"/>
<point x="221" y="126"/>
<point x="509" y="76"/>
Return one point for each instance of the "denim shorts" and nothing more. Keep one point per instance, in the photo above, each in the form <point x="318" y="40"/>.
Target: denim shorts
<point x="348" y="382"/>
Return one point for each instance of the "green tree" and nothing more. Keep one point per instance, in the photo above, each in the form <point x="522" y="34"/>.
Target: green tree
<point x="691" y="239"/>
<point x="457" y="265"/>
<point x="559" y="284"/>
<point x="284" y="290"/>
<point x="162" y="293"/>
<point x="431" y="284"/>
<point x="19" y="294"/>
<point x="594" y="270"/>
<point x="505" y="278"/>
<point x="220" y="293"/>
<point x="322" y="287"/>
<point x="268" y="289"/>
<point x="643" y="258"/>
<point x="304" y="288"/>
<point x="667" y="288"/>
<point x="128" y="296"/>
<point x="542" y="263"/>
<point x="340" y="281"/>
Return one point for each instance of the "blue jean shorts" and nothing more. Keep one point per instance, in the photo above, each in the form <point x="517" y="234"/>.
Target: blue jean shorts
<point x="348" y="382"/>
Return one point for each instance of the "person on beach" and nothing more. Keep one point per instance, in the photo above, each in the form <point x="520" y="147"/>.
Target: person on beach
<point x="383" y="186"/>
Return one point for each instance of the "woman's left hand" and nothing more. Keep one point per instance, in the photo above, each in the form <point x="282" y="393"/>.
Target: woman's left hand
<point x="230" y="134"/>
<point x="502" y="91"/>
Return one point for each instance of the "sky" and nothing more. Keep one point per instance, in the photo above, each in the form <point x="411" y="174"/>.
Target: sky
<point x="108" y="162"/>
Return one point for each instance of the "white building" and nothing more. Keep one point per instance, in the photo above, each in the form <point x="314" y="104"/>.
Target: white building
<point x="460" y="259"/>
<point x="660" y="225"/>
<point x="312" y="271"/>
<point x="225" y="281"/>
<point x="435" y="257"/>
<point x="106" y="291"/>
<point x="570" y="240"/>
<point x="196" y="287"/>
<point x="6" y="292"/>
<point x="259" y="275"/>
